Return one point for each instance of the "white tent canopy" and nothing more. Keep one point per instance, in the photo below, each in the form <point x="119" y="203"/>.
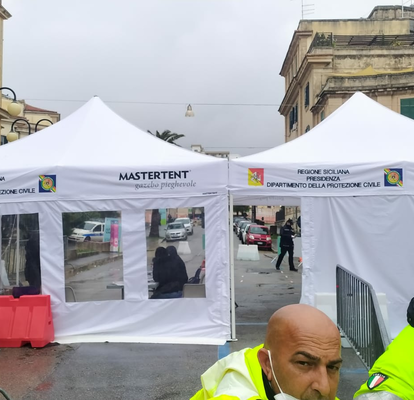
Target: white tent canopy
<point x="100" y="162"/>
<point x="354" y="173"/>
<point x="97" y="155"/>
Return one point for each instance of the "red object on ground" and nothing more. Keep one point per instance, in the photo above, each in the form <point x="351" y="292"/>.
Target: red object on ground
<point x="259" y="234"/>
<point x="26" y="320"/>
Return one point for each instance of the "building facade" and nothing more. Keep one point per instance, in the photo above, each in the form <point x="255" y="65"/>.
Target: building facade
<point x="329" y="60"/>
<point x="37" y="118"/>
<point x="4" y="16"/>
<point x="198" y="148"/>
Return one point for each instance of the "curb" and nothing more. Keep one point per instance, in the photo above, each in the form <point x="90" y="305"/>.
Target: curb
<point x="71" y="270"/>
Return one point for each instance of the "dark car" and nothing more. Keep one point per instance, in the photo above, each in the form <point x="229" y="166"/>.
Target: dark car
<point x="240" y="227"/>
<point x="236" y="221"/>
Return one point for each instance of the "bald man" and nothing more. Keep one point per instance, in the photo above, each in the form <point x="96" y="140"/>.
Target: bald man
<point x="300" y="359"/>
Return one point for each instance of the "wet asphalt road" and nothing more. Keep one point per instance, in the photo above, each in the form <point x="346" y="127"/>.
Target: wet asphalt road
<point x="158" y="372"/>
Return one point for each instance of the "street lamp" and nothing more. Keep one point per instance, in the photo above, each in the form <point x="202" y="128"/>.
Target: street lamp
<point x="40" y="120"/>
<point x="189" y="112"/>
<point x="14" y="107"/>
<point x="12" y="135"/>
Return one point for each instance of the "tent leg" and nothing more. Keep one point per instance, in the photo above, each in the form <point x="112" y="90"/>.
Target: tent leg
<point x="18" y="251"/>
<point x="232" y="291"/>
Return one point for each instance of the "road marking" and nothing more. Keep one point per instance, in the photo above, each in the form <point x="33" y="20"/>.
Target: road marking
<point x="354" y="371"/>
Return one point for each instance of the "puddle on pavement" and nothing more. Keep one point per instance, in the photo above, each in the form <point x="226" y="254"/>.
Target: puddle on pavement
<point x="255" y="272"/>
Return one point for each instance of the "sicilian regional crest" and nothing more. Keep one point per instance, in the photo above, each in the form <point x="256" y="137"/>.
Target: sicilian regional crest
<point x="256" y="176"/>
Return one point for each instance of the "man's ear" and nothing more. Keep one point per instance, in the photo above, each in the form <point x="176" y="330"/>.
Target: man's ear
<point x="263" y="357"/>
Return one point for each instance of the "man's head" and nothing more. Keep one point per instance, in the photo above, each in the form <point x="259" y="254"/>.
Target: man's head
<point x="305" y="347"/>
<point x="289" y="222"/>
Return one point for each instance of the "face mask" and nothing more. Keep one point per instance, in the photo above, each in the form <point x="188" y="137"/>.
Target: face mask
<point x="281" y="395"/>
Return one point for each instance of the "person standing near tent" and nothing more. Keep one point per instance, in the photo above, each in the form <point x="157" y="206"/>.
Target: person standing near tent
<point x="300" y="359"/>
<point x="392" y="375"/>
<point x="286" y="245"/>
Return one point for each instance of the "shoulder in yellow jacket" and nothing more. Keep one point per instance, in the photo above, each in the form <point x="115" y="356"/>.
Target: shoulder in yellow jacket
<point x="393" y="372"/>
<point x="235" y="377"/>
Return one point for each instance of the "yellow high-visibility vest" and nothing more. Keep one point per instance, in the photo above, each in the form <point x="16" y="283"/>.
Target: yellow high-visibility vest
<point x="235" y="377"/>
<point x="239" y="375"/>
<point x="393" y="372"/>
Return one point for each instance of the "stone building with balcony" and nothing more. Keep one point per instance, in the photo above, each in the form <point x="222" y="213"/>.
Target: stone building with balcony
<point x="329" y="60"/>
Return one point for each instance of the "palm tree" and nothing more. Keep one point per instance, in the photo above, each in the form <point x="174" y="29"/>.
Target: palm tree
<point x="168" y="136"/>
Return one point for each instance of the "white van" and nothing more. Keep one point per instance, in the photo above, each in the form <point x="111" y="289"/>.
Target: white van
<point x="90" y="231"/>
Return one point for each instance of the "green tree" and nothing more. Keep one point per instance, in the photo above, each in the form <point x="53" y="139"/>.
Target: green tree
<point x="241" y="209"/>
<point x="168" y="136"/>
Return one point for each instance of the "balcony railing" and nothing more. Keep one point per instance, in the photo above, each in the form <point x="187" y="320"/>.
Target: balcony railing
<point x="328" y="39"/>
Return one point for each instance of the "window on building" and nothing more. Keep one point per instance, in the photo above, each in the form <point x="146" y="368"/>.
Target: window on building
<point x="293" y="117"/>
<point x="322" y="115"/>
<point x="307" y="95"/>
<point x="407" y="107"/>
<point x="3" y="140"/>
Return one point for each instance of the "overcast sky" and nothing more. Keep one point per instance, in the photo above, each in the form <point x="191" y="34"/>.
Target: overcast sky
<point x="58" y="54"/>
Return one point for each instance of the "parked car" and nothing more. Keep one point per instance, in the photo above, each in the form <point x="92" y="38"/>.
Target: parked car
<point x="89" y="231"/>
<point x="237" y="224"/>
<point x="187" y="224"/>
<point x="260" y="235"/>
<point x="236" y="220"/>
<point x="175" y="231"/>
<point x="240" y="227"/>
<point x="244" y="232"/>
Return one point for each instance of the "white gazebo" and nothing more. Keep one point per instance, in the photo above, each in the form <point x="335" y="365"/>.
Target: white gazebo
<point x="99" y="162"/>
<point x="353" y="175"/>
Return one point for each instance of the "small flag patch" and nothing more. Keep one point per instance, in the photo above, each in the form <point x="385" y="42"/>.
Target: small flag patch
<point x="375" y="380"/>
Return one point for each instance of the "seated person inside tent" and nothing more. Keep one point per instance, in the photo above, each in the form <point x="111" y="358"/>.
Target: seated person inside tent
<point x="392" y="375"/>
<point x="300" y="359"/>
<point x="170" y="272"/>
